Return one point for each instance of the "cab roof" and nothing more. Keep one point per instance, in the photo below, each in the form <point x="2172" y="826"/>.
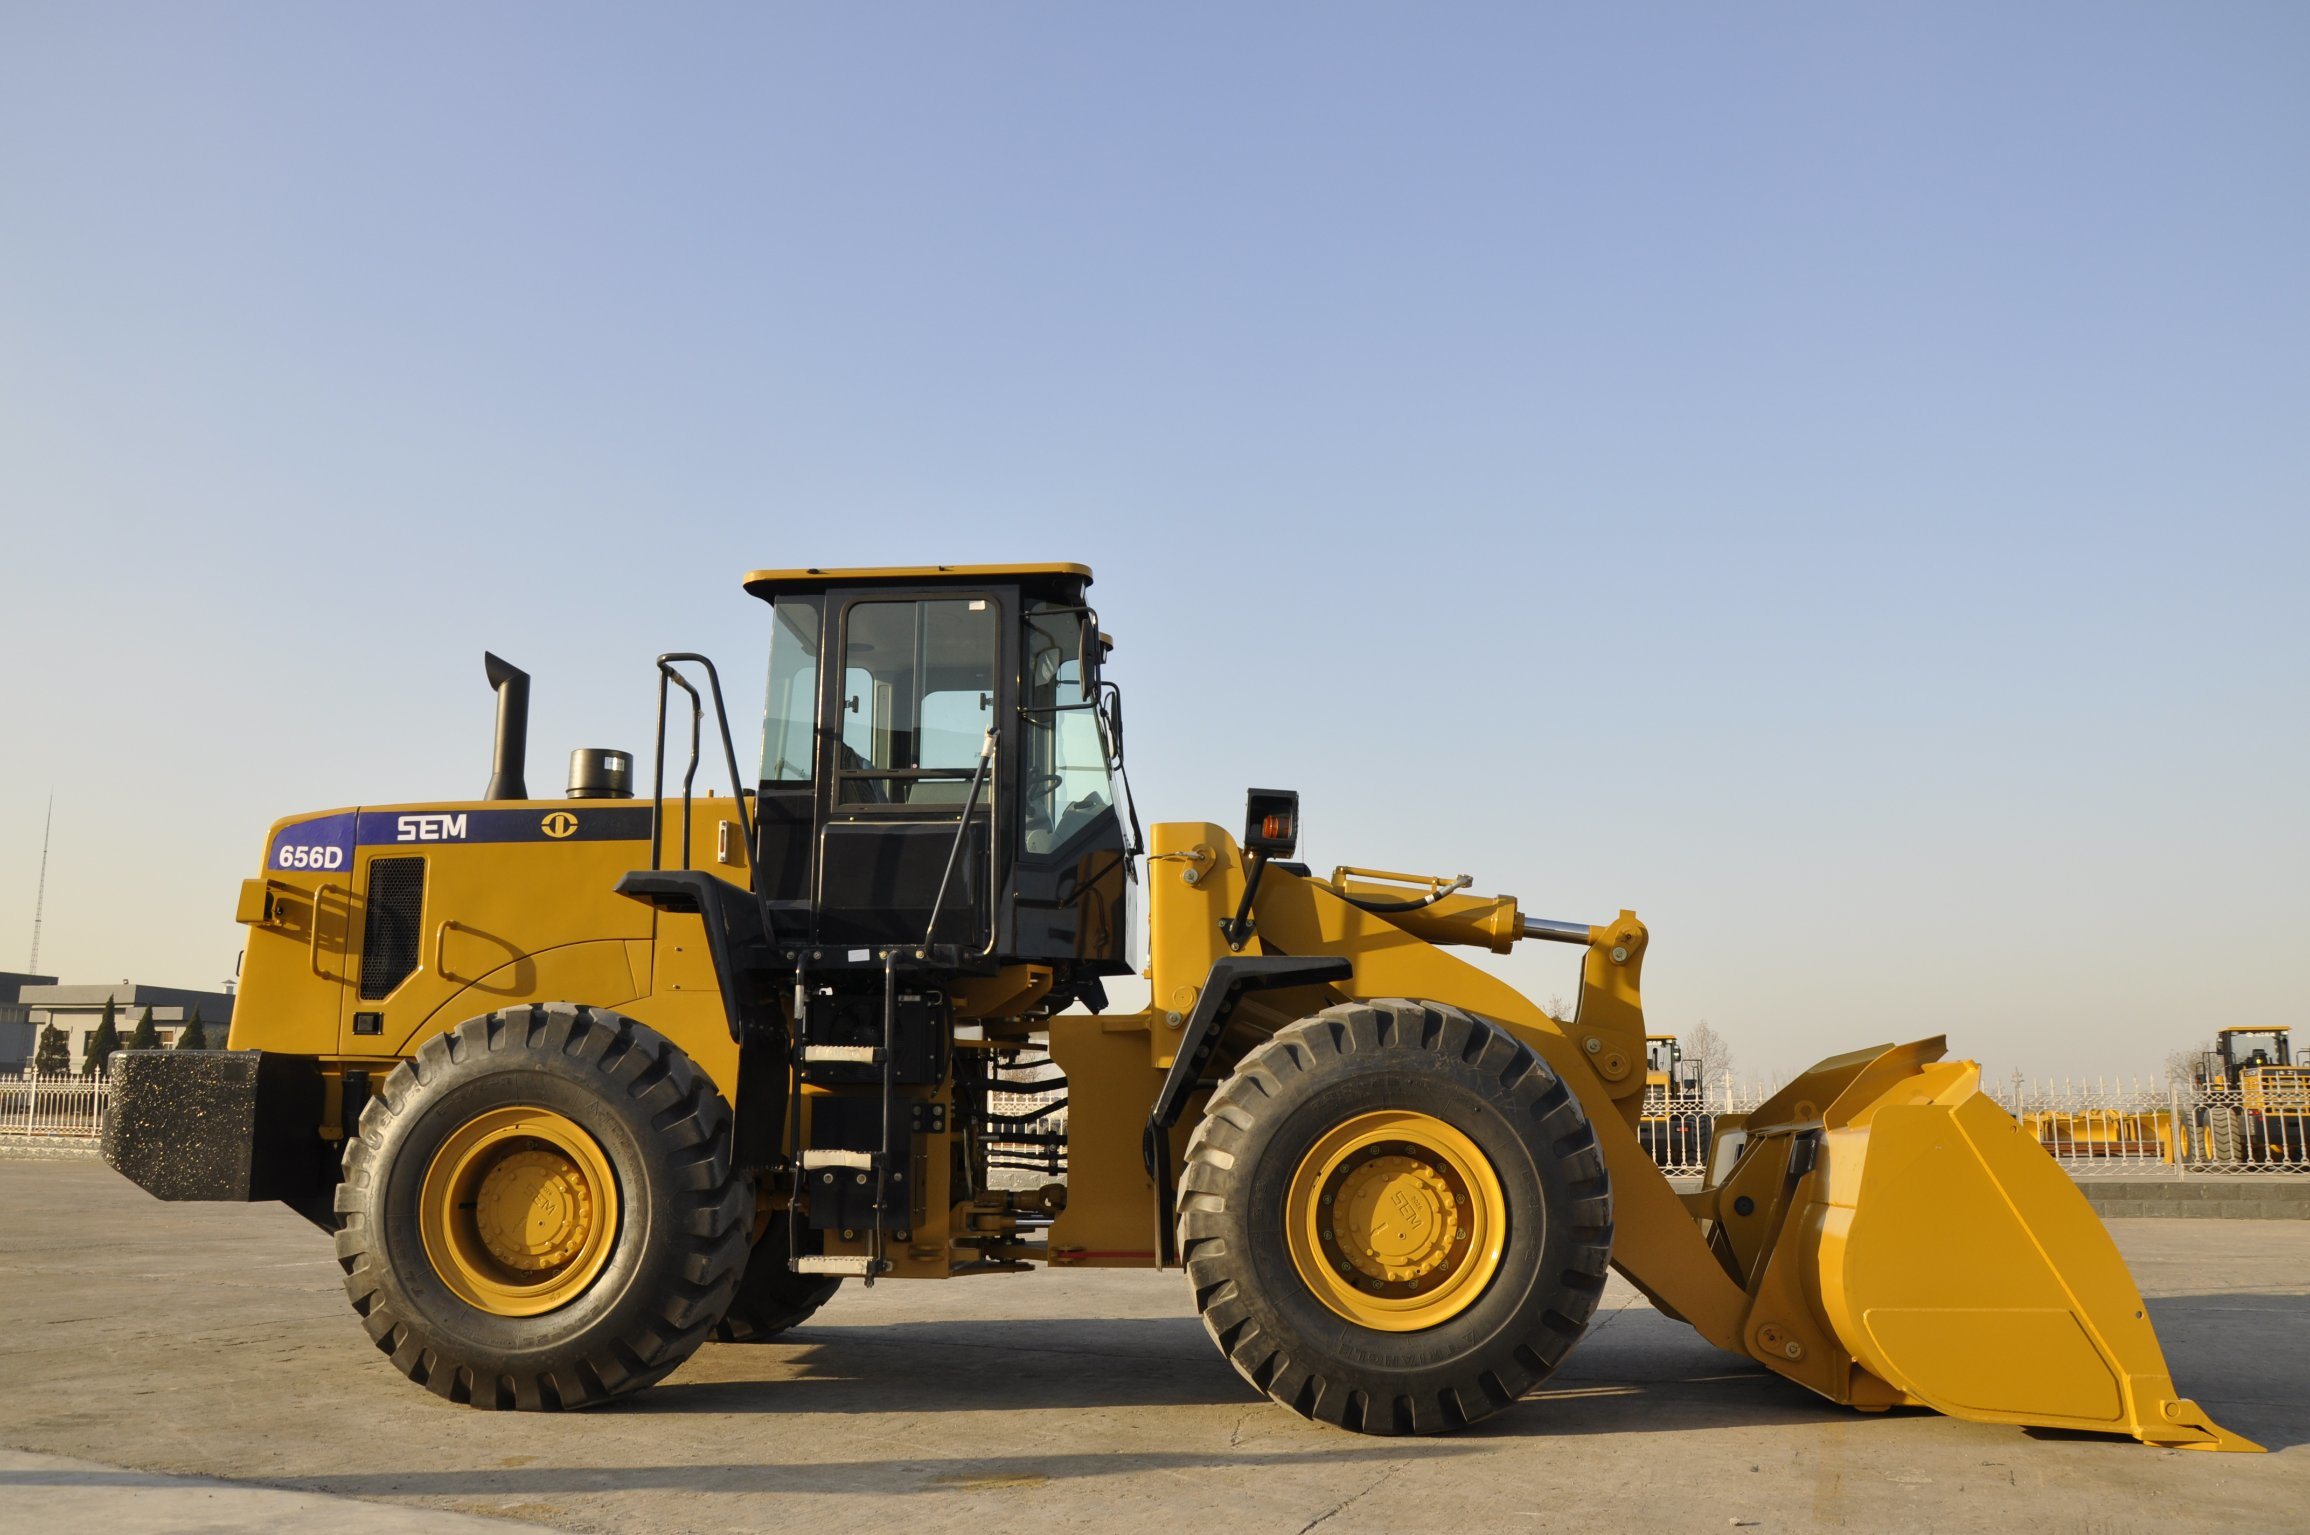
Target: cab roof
<point x="2255" y="1028"/>
<point x="1044" y="579"/>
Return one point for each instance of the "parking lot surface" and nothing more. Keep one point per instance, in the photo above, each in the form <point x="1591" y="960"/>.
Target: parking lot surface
<point x="214" y="1342"/>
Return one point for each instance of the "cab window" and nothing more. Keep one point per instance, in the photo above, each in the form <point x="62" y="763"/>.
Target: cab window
<point x="1064" y="779"/>
<point x="917" y="697"/>
<point x="790" y="712"/>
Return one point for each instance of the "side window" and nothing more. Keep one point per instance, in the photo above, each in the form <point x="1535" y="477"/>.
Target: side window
<point x="1064" y="778"/>
<point x="790" y="711"/>
<point x="918" y="686"/>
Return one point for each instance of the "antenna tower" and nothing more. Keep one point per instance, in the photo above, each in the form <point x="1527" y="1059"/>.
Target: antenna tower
<point x="40" y="900"/>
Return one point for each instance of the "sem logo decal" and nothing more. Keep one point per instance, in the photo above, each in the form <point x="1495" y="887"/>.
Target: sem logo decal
<point x="430" y="828"/>
<point x="1407" y="1207"/>
<point x="559" y="824"/>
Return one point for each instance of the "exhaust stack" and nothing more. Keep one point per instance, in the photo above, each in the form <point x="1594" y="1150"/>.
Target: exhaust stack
<point x="511" y="750"/>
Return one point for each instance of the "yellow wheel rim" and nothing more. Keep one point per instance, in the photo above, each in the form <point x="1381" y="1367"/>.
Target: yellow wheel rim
<point x="1395" y="1220"/>
<point x="518" y="1211"/>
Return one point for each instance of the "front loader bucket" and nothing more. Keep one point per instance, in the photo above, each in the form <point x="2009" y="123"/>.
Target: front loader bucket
<point x="1954" y="1260"/>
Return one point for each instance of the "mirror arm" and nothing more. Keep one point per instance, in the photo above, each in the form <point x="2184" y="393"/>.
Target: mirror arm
<point x="1237" y="929"/>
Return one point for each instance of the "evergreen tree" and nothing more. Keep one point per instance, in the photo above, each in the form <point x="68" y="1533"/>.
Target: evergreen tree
<point x="144" y="1036"/>
<point x="194" y="1037"/>
<point x="101" y="1044"/>
<point x="53" y="1056"/>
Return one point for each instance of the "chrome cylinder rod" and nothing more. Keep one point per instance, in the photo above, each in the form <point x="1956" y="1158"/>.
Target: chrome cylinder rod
<point x="1556" y="932"/>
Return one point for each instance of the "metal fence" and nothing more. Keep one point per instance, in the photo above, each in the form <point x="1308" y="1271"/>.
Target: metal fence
<point x="2106" y="1127"/>
<point x="52" y="1115"/>
<point x="2097" y="1127"/>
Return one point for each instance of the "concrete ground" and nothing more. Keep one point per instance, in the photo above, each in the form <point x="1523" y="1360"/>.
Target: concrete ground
<point x="213" y="1342"/>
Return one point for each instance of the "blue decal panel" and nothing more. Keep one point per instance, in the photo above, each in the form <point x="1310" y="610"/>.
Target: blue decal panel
<point x="317" y="845"/>
<point x="327" y="842"/>
<point x="579" y="822"/>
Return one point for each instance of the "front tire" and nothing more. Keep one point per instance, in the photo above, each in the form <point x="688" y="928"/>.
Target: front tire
<point x="2225" y="1130"/>
<point x="1395" y="1217"/>
<point x="539" y="1210"/>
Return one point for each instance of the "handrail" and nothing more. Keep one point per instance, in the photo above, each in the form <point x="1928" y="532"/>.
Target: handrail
<point x="313" y="939"/>
<point x="961" y="830"/>
<point x="441" y="946"/>
<point x="666" y="674"/>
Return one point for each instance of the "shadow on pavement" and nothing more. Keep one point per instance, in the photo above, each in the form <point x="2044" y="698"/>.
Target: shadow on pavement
<point x="956" y="1366"/>
<point x="1621" y="1380"/>
<point x="2244" y="1356"/>
<point x="882" y="1477"/>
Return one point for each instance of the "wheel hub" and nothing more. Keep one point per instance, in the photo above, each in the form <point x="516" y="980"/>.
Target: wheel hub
<point x="533" y="1210"/>
<point x="1396" y="1220"/>
<point x="518" y="1211"/>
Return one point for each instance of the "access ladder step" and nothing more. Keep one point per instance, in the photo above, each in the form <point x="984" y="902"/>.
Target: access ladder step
<point x="850" y="1055"/>
<point x="856" y="1265"/>
<point x="815" y="1158"/>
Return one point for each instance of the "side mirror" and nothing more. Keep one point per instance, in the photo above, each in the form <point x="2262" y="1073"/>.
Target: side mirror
<point x="1087" y="657"/>
<point x="1271" y="822"/>
<point x="1114" y="713"/>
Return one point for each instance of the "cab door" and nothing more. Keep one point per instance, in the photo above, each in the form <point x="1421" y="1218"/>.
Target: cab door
<point x="915" y="683"/>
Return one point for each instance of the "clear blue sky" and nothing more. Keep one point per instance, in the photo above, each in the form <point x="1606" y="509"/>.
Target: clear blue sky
<point x="1838" y="483"/>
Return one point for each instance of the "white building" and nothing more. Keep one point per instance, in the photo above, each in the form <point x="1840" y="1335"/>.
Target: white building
<point x="78" y="1010"/>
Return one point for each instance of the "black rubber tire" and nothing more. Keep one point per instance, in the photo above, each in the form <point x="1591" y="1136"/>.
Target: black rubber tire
<point x="771" y="1299"/>
<point x="2225" y="1134"/>
<point x="1474" y="1076"/>
<point x="684" y="1217"/>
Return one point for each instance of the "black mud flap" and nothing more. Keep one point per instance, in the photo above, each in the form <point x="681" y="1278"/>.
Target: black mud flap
<point x="236" y="1125"/>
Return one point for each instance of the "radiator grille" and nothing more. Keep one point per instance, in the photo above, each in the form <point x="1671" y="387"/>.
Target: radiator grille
<point x="389" y="935"/>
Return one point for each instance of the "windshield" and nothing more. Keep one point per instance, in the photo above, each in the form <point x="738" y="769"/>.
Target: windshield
<point x="1064" y="779"/>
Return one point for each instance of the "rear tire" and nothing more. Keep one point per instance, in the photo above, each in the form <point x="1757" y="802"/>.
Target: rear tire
<point x="1500" y="1239"/>
<point x="539" y="1210"/>
<point x="770" y="1299"/>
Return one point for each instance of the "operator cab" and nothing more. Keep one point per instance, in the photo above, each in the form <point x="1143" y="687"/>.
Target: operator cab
<point x="940" y="740"/>
<point x="2247" y="1049"/>
<point x="1669" y="1068"/>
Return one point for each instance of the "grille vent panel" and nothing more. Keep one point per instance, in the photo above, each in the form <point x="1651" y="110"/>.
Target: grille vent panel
<point x="389" y="934"/>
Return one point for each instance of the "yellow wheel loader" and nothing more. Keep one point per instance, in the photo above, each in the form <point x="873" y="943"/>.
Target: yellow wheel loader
<point x="1674" y="1127"/>
<point x="2256" y="1107"/>
<point x="578" y="1083"/>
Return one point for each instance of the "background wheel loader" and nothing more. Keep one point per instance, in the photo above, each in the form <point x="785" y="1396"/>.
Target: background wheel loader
<point x="2257" y="1098"/>
<point x="575" y="1084"/>
<point x="1674" y="1127"/>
